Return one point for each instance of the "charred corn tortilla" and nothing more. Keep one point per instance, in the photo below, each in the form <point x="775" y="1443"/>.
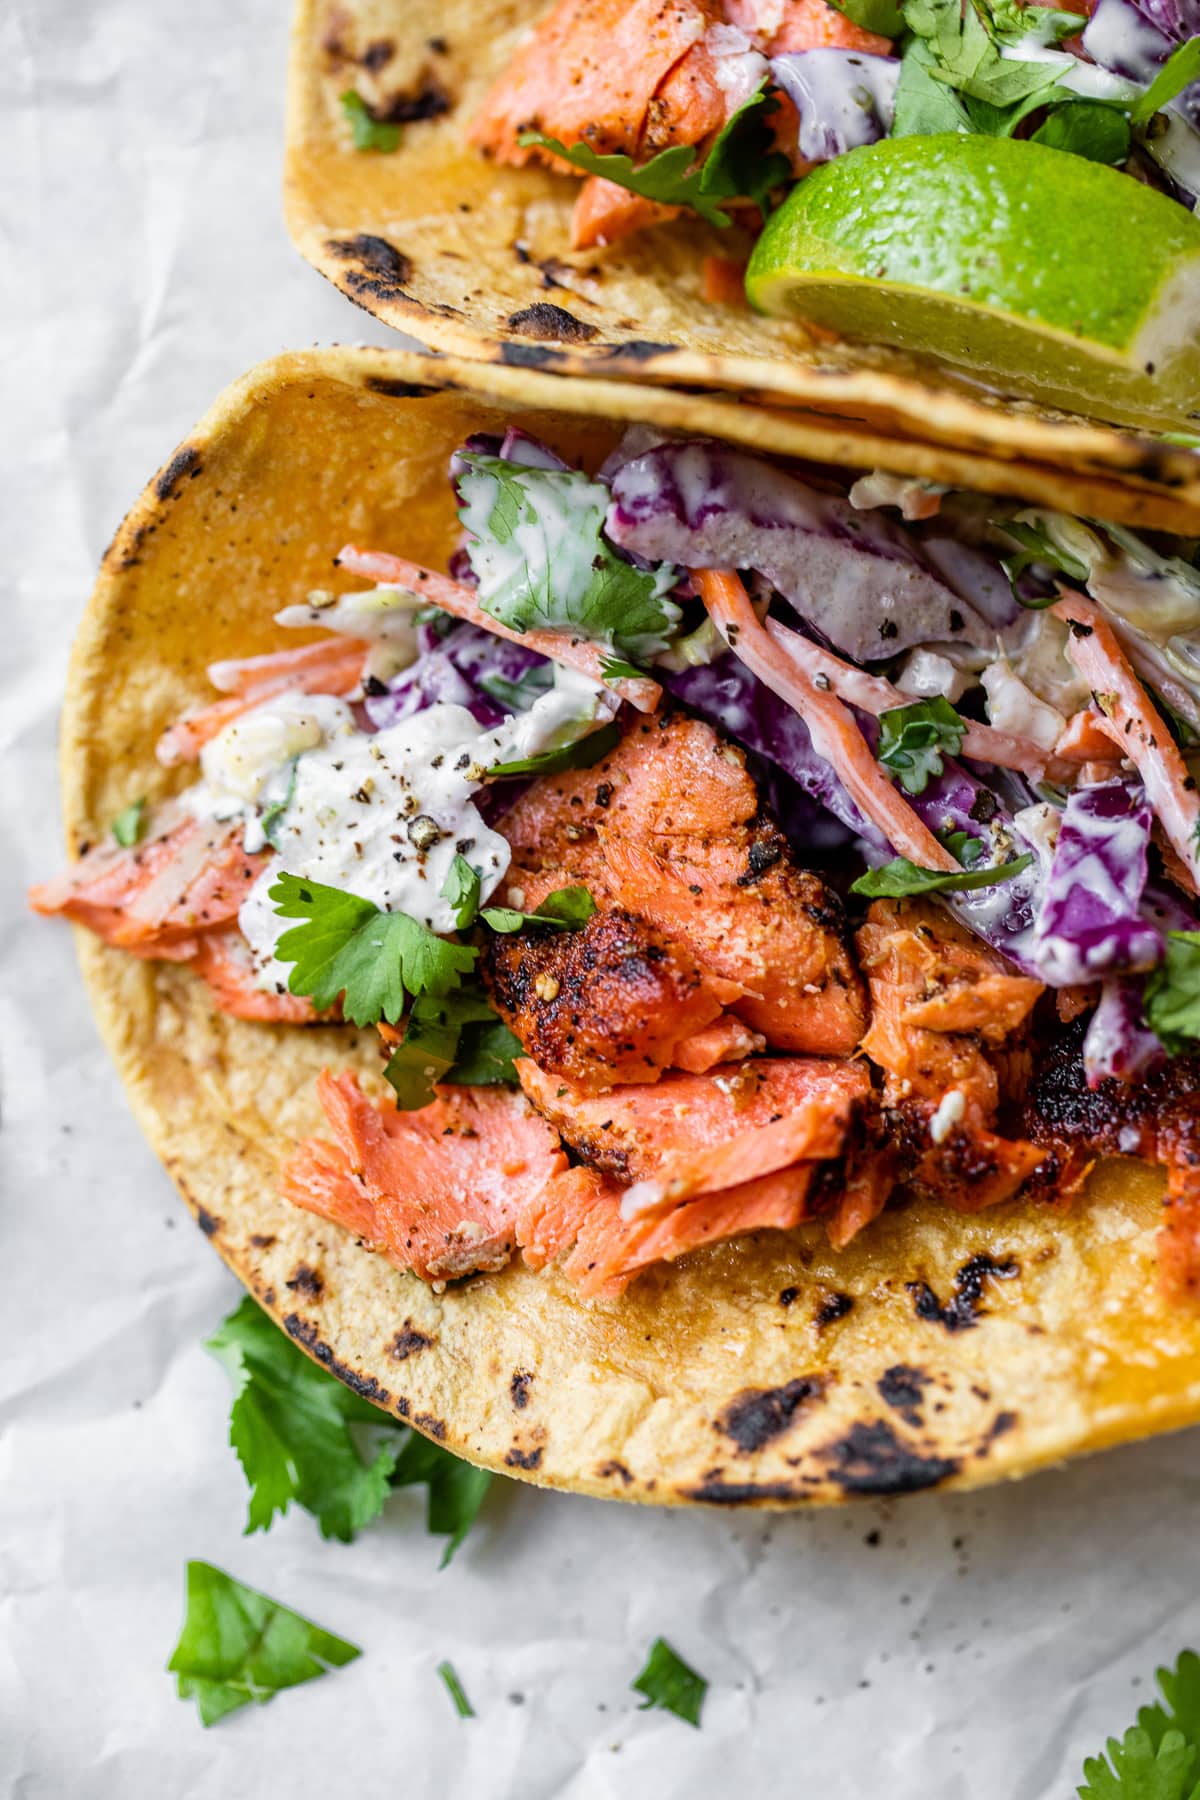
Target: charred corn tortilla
<point x="937" y="1350"/>
<point x="474" y="259"/>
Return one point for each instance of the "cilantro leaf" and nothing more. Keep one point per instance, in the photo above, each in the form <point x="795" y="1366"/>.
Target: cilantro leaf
<point x="290" y="1425"/>
<point x="740" y="166"/>
<point x="238" y="1646"/>
<point x="454" y="1688"/>
<point x="613" y="669"/>
<point x="456" y="1489"/>
<point x="486" y="1050"/>
<point x="582" y="754"/>
<point x="1172" y="996"/>
<point x="1089" y="128"/>
<point x="966" y="849"/>
<point x="912" y="738"/>
<point x="925" y="105"/>
<point x="1038" y="549"/>
<point x="535" y="543"/>
<point x="670" y="1684"/>
<point x="1181" y="68"/>
<point x="129" y="824"/>
<point x="669" y="177"/>
<point x="901" y="877"/>
<point x="883" y="16"/>
<point x="347" y="947"/>
<point x="1181" y="1690"/>
<point x="369" y="132"/>
<point x="461" y="888"/>
<point x="743" y="162"/>
<point x="1134" y="1769"/>
<point x="458" y="1039"/>
<point x="567" y="909"/>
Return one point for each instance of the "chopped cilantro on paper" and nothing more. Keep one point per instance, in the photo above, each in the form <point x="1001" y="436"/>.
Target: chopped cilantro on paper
<point x="129" y="824"/>
<point x="290" y="1426"/>
<point x="238" y="1646"/>
<point x="742" y="165"/>
<point x="369" y="133"/>
<point x="1159" y="1757"/>
<point x="456" y="1691"/>
<point x="374" y="960"/>
<point x="912" y="739"/>
<point x="670" y="1684"/>
<point x="455" y="1489"/>
<point x="294" y="1428"/>
<point x="535" y="543"/>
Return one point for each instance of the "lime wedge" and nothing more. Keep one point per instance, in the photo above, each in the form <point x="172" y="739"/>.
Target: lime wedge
<point x="1036" y="271"/>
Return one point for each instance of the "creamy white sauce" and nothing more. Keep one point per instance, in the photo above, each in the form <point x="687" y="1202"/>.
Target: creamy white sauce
<point x="926" y="674"/>
<point x="381" y="815"/>
<point x="246" y="767"/>
<point x="382" y="615"/>
<point x="950" y="1110"/>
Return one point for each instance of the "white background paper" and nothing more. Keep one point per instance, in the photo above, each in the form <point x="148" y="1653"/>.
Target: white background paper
<point x="935" y="1649"/>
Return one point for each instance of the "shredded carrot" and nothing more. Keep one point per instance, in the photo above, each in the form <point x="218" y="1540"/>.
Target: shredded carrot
<point x="831" y="724"/>
<point x="337" y="672"/>
<point x="871" y="693"/>
<point x="240" y="674"/>
<point x="454" y="597"/>
<point x="1134" y="725"/>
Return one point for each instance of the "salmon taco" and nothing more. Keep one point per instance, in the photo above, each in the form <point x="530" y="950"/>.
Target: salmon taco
<point x="674" y="970"/>
<point x="799" y="199"/>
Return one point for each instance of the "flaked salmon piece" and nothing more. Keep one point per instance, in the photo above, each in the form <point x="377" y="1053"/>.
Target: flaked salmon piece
<point x="867" y="1184"/>
<point x="604" y="213"/>
<point x="668" y="827"/>
<point x="579" y="1213"/>
<point x="186" y="877"/>
<point x="588" y="73"/>
<point x="726" y="1040"/>
<point x="223" y="959"/>
<point x="436" y="1191"/>
<point x="937" y="996"/>
<point x="639" y="1134"/>
<point x="815" y="1132"/>
<point x="782" y="25"/>
<point x="603" y="1005"/>
<point x="455" y="597"/>
<point x="753" y="917"/>
<point x="332" y="666"/>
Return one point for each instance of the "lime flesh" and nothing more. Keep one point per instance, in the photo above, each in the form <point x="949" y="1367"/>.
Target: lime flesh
<point x="1036" y="271"/>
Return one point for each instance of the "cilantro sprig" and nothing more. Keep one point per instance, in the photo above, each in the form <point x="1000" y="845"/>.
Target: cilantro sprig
<point x="238" y="1646"/>
<point x="375" y="961"/>
<point x="740" y="166"/>
<point x="536" y="545"/>
<point x="299" y="1435"/>
<point x="671" y="1684"/>
<point x="1159" y="1757"/>
<point x="457" y="1038"/>
<point x="912" y="739"/>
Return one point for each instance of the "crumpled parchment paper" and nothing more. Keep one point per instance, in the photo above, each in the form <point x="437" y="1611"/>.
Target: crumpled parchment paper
<point x="938" y="1648"/>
